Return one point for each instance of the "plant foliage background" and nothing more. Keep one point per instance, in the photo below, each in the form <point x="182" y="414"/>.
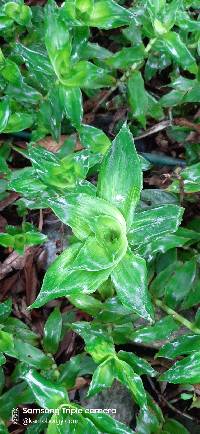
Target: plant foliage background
<point x="99" y="123"/>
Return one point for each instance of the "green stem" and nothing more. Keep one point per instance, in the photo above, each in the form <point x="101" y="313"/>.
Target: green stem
<point x="188" y="324"/>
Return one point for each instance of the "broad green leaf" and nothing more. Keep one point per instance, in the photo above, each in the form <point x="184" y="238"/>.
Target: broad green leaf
<point x="153" y="223"/>
<point x="171" y="11"/>
<point x="162" y="245"/>
<point x="155" y="110"/>
<point x="145" y="164"/>
<point x="11" y="72"/>
<point x="73" y="104"/>
<point x="18" y="122"/>
<point x="181" y="345"/>
<point x="185" y="371"/>
<point x="152" y="197"/>
<point x="182" y="83"/>
<point x="3" y="428"/>
<point x="179" y="52"/>
<point x="184" y="90"/>
<point x="155" y="7"/>
<point x="172" y="426"/>
<point x="38" y="64"/>
<point x="52" y="331"/>
<point x="57" y="41"/>
<point x="107" y="14"/>
<point x="139" y="365"/>
<point x="150" y="418"/>
<point x="51" y="113"/>
<point x="24" y="94"/>
<point x="4" y="114"/>
<point x="122" y="333"/>
<point x="186" y="23"/>
<point x="119" y="369"/>
<point x="126" y="57"/>
<point x="98" y="343"/>
<point x="187" y="186"/>
<point x="163" y="261"/>
<point x="62" y="173"/>
<point x="31" y="355"/>
<point x="87" y="303"/>
<point x="64" y="424"/>
<point x="103" y="377"/>
<point x="18" y="12"/>
<point x="5" y="22"/>
<point x="172" y="98"/>
<point x="161" y="330"/>
<point x="19" y="328"/>
<point x="138" y="97"/>
<point x="191" y="173"/>
<point x="163" y="278"/>
<point x="33" y="238"/>
<point x="18" y="238"/>
<point x="94" y="51"/>
<point x="70" y="370"/>
<point x="68" y="13"/>
<point x="94" y="139"/>
<point x="41" y="425"/>
<point x="104" y="250"/>
<point x="193" y="297"/>
<point x="6" y="240"/>
<point x="4" y="170"/>
<point x="120" y="178"/>
<point x="193" y="94"/>
<point x="2" y="360"/>
<point x="197" y="318"/>
<point x="81" y="211"/>
<point x="130" y="280"/>
<point x="125" y="374"/>
<point x="16" y="395"/>
<point x="180" y="284"/>
<point x="20" y="181"/>
<point x="108" y="424"/>
<point x="112" y="311"/>
<point x="62" y="281"/>
<point x="7" y="343"/>
<point x="46" y="393"/>
<point x="86" y="75"/>
<point x="84" y="5"/>
<point x="147" y="422"/>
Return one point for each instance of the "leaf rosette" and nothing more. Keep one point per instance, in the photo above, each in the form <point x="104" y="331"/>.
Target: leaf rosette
<point x="111" y="233"/>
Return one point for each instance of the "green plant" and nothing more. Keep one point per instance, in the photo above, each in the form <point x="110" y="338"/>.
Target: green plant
<point x="19" y="238"/>
<point x="110" y="236"/>
<point x="129" y="267"/>
<point x="60" y="60"/>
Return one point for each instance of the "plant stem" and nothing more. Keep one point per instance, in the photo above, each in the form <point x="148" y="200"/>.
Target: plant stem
<point x="188" y="324"/>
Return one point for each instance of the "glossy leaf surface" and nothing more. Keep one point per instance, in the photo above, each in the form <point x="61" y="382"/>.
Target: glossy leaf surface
<point x="98" y="343"/>
<point x="151" y="224"/>
<point x="47" y="394"/>
<point x="113" y="184"/>
<point x="130" y="280"/>
<point x="52" y="331"/>
<point x="182" y="345"/>
<point x="162" y="329"/>
<point x="185" y="371"/>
